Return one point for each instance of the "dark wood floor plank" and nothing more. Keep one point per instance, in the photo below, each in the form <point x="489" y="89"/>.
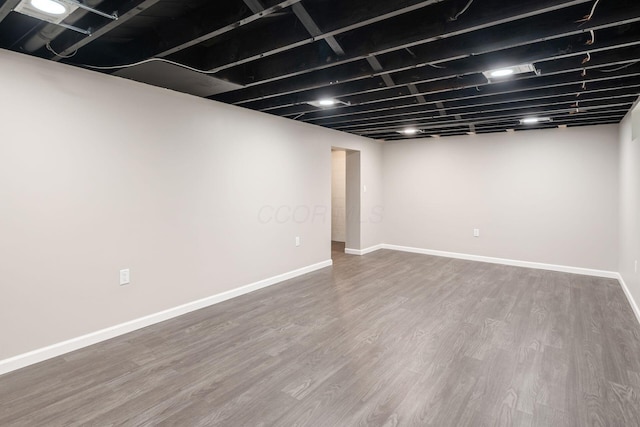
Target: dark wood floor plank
<point x="387" y="339"/>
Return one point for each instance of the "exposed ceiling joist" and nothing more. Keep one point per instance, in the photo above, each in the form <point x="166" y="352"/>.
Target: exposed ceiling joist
<point x="268" y="71"/>
<point x="7" y="7"/>
<point x="313" y="29"/>
<point x="384" y="65"/>
<point x="123" y="17"/>
<point x="220" y="31"/>
<point x="438" y="54"/>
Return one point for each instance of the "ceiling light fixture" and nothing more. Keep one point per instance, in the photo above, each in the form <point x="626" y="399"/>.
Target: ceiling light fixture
<point x="56" y="11"/>
<point x="327" y="103"/>
<point x="534" y="120"/>
<point x="504" y="72"/>
<point x="49" y="6"/>
<point x="409" y="131"/>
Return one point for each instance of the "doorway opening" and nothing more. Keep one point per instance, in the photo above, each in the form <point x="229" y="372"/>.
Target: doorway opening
<point x="345" y="200"/>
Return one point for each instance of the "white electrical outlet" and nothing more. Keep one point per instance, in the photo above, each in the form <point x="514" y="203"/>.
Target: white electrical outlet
<point x="476" y="232"/>
<point x="297" y="240"/>
<point x="125" y="277"/>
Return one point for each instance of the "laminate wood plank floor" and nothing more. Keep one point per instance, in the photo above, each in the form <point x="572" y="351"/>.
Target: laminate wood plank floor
<point x="387" y="339"/>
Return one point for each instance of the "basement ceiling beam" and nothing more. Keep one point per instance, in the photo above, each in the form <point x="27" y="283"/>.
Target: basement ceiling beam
<point x="7" y="7"/>
<point x="254" y="5"/>
<point x="493" y="128"/>
<point x="269" y="71"/>
<point x="212" y="34"/>
<point x="313" y="29"/>
<point x="585" y="104"/>
<point x="123" y="16"/>
<point x="351" y="20"/>
<point x="514" y="116"/>
<point x="438" y="53"/>
<point x="501" y="125"/>
<point x="547" y="59"/>
<point x="607" y="88"/>
<point x="457" y="88"/>
<point x="172" y="36"/>
<point x="469" y="96"/>
<point x="377" y="67"/>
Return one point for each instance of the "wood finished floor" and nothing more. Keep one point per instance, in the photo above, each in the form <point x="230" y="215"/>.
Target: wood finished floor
<point x="386" y="339"/>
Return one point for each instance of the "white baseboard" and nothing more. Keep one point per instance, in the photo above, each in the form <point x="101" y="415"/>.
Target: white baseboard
<point x="42" y="354"/>
<point x="516" y="263"/>
<point x="630" y="298"/>
<point x="363" y="251"/>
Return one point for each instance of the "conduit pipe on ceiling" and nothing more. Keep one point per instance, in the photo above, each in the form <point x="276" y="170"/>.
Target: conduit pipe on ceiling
<point x="50" y="31"/>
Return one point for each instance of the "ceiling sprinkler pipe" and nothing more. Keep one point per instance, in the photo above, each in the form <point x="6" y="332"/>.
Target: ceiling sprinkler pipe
<point x="50" y="31"/>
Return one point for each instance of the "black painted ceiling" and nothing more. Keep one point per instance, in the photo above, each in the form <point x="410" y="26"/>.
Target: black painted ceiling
<point x="391" y="64"/>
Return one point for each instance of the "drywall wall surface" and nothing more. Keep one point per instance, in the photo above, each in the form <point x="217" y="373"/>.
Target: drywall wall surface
<point x="99" y="174"/>
<point x="338" y="196"/>
<point x="354" y="192"/>
<point x="630" y="205"/>
<point x="547" y="196"/>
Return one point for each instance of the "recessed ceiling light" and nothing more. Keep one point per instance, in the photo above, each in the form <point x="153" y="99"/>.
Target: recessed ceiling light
<point x="49" y="6"/>
<point x="53" y="11"/>
<point x="502" y="73"/>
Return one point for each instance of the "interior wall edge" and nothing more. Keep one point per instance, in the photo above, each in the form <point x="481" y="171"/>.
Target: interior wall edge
<point x="629" y="295"/>
<point x="364" y="251"/>
<point x="40" y="355"/>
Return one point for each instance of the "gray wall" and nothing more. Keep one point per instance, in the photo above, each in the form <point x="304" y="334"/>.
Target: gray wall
<point x="338" y="196"/>
<point x="542" y="196"/>
<point x="99" y="173"/>
<point x="630" y="204"/>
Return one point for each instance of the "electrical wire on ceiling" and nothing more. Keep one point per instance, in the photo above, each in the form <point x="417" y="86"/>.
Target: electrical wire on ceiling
<point x="588" y="17"/>
<point x="116" y="67"/>
<point x="587" y="58"/>
<point x="576" y="106"/>
<point x="593" y="38"/>
<point x="619" y="68"/>
<point x="457" y="15"/>
<point x="410" y="52"/>
<point x="50" y="49"/>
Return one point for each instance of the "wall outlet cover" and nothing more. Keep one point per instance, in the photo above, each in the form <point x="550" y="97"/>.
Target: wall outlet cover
<point x="125" y="277"/>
